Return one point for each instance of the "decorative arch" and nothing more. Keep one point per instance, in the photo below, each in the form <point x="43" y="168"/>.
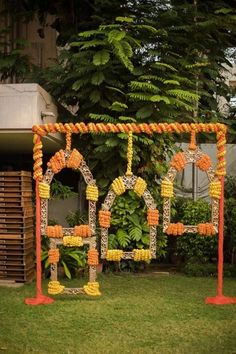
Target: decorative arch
<point x="138" y="185"/>
<point x="65" y="156"/>
<point x="178" y="163"/>
<point x="71" y="237"/>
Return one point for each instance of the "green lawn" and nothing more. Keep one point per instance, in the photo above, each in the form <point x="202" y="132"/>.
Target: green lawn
<point x="135" y="314"/>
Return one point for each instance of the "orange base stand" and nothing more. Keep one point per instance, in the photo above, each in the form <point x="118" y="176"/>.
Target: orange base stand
<point x="220" y="300"/>
<point x="39" y="300"/>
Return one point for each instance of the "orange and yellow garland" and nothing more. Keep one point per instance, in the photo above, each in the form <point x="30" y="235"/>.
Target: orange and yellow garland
<point x="93" y="257"/>
<point x="82" y="231"/>
<point x="54" y="231"/>
<point x="175" y="229"/>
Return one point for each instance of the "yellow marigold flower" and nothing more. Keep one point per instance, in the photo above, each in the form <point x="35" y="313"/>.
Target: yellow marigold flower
<point x="44" y="190"/>
<point x="92" y="289"/>
<point x="140" y="186"/>
<point x="92" y="193"/>
<point x="118" y="186"/>
<point x="215" y="189"/>
<point x="167" y="190"/>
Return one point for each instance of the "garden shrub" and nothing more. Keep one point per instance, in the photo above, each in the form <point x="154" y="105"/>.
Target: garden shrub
<point x="194" y="247"/>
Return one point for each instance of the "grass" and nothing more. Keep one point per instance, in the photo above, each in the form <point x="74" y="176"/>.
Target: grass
<point x="135" y="314"/>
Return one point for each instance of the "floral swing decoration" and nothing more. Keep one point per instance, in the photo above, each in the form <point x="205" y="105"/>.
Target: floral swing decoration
<point x="118" y="187"/>
<point x="179" y="161"/>
<point x="70" y="237"/>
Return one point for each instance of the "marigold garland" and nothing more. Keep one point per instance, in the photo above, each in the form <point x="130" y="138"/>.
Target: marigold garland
<point x="140" y="186"/>
<point x="92" y="193"/>
<point x="55" y="288"/>
<point x="72" y="241"/>
<point x="104" y="217"/>
<point x="93" y="257"/>
<point x="178" y="161"/>
<point x="167" y="189"/>
<point x="206" y="229"/>
<point x="53" y="255"/>
<point x="44" y="190"/>
<point x="215" y="189"/>
<point x="152" y="217"/>
<point x="92" y="289"/>
<point x="129" y="154"/>
<point x="82" y="231"/>
<point x="175" y="229"/>
<point x="221" y="151"/>
<point x="118" y="186"/>
<point x="142" y="255"/>
<point x="57" y="162"/>
<point x="74" y="160"/>
<point x="114" y="255"/>
<point x="37" y="157"/>
<point x="54" y="231"/>
<point x="204" y="163"/>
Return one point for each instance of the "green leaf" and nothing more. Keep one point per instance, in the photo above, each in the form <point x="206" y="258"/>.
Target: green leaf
<point x="140" y="96"/>
<point x="171" y="82"/>
<point x="144" y="112"/>
<point x="164" y="65"/>
<point x="87" y="34"/>
<point x="101" y="57"/>
<point x="124" y="19"/>
<point x="158" y="98"/>
<point x="97" y="78"/>
<point x="223" y="10"/>
<point x="119" y="52"/>
<point x="95" y="96"/>
<point x="118" y="106"/>
<point x="122" y="237"/>
<point x="78" y="84"/>
<point x="128" y="51"/>
<point x="144" y="86"/>
<point x="148" y="28"/>
<point x="78" y="258"/>
<point x="66" y="270"/>
<point x="135" y="233"/>
<point x="116" y="35"/>
<point x="115" y="89"/>
<point x="134" y="218"/>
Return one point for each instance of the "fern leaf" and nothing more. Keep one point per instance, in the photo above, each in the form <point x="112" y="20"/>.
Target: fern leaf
<point x="102" y="117"/>
<point x="78" y="84"/>
<point x="122" y="237"/>
<point x="95" y="96"/>
<point x="144" y="112"/>
<point x="158" y="98"/>
<point x="152" y="77"/>
<point x="116" y="35"/>
<point x="181" y="104"/>
<point x="135" y="233"/>
<point x="115" y="89"/>
<point x="140" y="96"/>
<point x="97" y="78"/>
<point x="118" y="106"/>
<point x="127" y="119"/>
<point x="124" y="19"/>
<point x="101" y="57"/>
<point x="93" y="43"/>
<point x="148" y="28"/>
<point x="171" y="82"/>
<point x="182" y="94"/>
<point x="164" y="65"/>
<point x="127" y="49"/>
<point x="144" y="86"/>
<point x="119" y="51"/>
<point x="87" y="34"/>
